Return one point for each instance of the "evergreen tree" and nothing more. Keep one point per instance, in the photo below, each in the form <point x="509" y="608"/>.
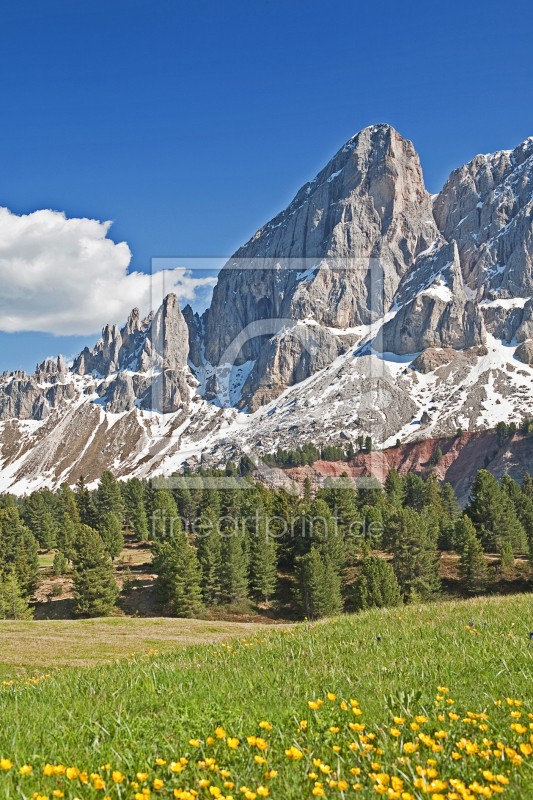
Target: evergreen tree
<point x="18" y="548"/>
<point x="263" y="560"/>
<point x="133" y="496"/>
<point x="48" y="538"/>
<point x="435" y="457"/>
<point x="59" y="565"/>
<point x="415" y="561"/>
<point x="39" y="519"/>
<point x="473" y="564"/>
<point x="308" y="490"/>
<point x="372" y="525"/>
<point x="523" y="507"/>
<point x="95" y="589"/>
<point x="208" y="544"/>
<point x="111" y="534"/>
<point x="66" y="504"/>
<point x="394" y="488"/>
<point x="85" y="503"/>
<point x="318" y="586"/>
<point x="369" y="491"/>
<point x="164" y="515"/>
<point x="376" y="585"/>
<point x="139" y="522"/>
<point x="324" y="534"/>
<point x="108" y="498"/>
<point x="234" y="573"/>
<point x="66" y="536"/>
<point x="494" y="515"/>
<point x="527" y="486"/>
<point x="13" y="604"/>
<point x="449" y="501"/>
<point x="178" y="574"/>
<point x="415" y="492"/>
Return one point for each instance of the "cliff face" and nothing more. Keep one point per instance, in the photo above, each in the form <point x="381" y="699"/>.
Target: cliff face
<point x="366" y="307"/>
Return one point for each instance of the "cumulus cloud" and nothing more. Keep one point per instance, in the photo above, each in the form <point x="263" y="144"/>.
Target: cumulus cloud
<point x="64" y="276"/>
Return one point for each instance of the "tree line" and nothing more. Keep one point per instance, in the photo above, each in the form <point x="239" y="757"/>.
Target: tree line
<point x="225" y="543"/>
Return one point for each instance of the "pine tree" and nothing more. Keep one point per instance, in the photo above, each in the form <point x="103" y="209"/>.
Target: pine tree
<point x="415" y="492"/>
<point x="85" y="503"/>
<point x="415" y="558"/>
<point x="95" y="589"/>
<point x="372" y="526"/>
<point x="369" y="491"/>
<point x="108" y="498"/>
<point x="13" y="604"/>
<point x="208" y="544"/>
<point x="59" y="565"/>
<point x="394" y="488"/>
<point x="178" y="574"/>
<point x="66" y="504"/>
<point x="494" y="515"/>
<point x="263" y="557"/>
<point x="308" y="490"/>
<point x="524" y="510"/>
<point x="133" y="495"/>
<point x="48" y="538"/>
<point x="111" y="534"/>
<point x="18" y="548"/>
<point x="324" y="534"/>
<point x="39" y="519"/>
<point x="139" y="522"/>
<point x="66" y="536"/>
<point x="473" y="564"/>
<point x="527" y="486"/>
<point x="376" y="585"/>
<point x="318" y="586"/>
<point x="449" y="501"/>
<point x="164" y="515"/>
<point x="234" y="573"/>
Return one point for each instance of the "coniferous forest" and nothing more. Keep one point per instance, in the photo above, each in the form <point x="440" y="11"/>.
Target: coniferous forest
<point x="219" y="539"/>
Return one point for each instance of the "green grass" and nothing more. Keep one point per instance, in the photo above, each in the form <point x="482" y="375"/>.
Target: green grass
<point x="129" y="712"/>
<point x="33" y="646"/>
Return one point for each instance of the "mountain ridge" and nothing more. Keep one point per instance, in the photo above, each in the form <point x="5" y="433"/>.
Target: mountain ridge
<point x="445" y="341"/>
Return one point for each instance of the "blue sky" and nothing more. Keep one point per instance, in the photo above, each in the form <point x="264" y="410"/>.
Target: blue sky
<point x="191" y="124"/>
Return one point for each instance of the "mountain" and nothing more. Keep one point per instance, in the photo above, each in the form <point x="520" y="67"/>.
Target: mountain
<point x="367" y="307"/>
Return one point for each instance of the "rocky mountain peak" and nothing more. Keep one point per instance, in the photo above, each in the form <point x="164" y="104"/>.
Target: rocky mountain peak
<point x="364" y="308"/>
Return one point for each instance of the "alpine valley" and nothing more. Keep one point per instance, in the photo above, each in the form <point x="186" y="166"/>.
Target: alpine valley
<point x="367" y="307"/>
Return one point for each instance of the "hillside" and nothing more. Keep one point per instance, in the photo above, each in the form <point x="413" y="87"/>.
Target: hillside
<point x="462" y="457"/>
<point x="433" y="702"/>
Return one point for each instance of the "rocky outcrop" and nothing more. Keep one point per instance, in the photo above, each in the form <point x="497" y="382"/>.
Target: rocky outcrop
<point x="525" y="352"/>
<point x="487" y="207"/>
<point x="439" y="315"/>
<point x="336" y="254"/>
<point x="290" y="357"/>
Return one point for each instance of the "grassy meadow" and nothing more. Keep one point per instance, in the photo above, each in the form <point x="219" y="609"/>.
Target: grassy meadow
<point x="425" y="701"/>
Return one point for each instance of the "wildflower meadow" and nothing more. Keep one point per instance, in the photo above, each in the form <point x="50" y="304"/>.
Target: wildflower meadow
<point x="430" y="701"/>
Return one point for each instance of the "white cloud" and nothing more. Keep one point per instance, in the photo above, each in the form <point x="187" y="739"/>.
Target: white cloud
<point x="64" y="276"/>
